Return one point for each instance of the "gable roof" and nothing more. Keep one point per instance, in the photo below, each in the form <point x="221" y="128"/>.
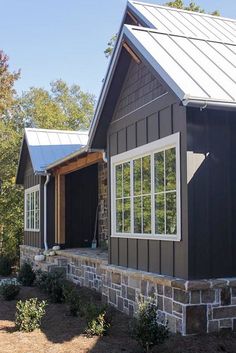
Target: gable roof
<point x="47" y="146"/>
<point x="188" y="41"/>
<point x="199" y="70"/>
<point x="182" y="22"/>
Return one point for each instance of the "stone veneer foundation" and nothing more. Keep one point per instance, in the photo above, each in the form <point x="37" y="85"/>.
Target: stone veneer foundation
<point x="190" y="307"/>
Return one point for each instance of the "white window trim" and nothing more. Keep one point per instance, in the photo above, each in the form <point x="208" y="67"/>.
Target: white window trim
<point x="152" y="147"/>
<point x="29" y="191"/>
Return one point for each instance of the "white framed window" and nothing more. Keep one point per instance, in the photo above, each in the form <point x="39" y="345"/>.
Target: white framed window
<point x="32" y="209"/>
<point x="145" y="191"/>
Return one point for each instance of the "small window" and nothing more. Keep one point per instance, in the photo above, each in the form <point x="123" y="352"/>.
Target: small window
<point x="32" y="208"/>
<point x="146" y="191"/>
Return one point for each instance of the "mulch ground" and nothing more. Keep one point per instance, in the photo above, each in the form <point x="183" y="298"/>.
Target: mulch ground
<point x="61" y="332"/>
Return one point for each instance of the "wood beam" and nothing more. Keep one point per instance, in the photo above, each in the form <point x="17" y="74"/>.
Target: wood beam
<point x="59" y="209"/>
<point x="131" y="52"/>
<point x="89" y="159"/>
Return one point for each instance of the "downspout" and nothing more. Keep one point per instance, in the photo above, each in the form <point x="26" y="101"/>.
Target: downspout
<point x="45" y="211"/>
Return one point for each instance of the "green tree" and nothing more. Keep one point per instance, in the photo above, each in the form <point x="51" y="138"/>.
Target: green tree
<point x="7" y="80"/>
<point x="62" y="107"/>
<point x="179" y="4"/>
<point x="110" y="46"/>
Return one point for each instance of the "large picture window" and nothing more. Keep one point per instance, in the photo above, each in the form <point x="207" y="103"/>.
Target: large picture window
<point x="146" y="191"/>
<point x="32" y="208"/>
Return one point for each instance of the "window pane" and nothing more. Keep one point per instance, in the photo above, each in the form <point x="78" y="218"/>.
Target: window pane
<point x="27" y="220"/>
<point x="146" y="164"/>
<point x="126" y="179"/>
<point x="137" y="215"/>
<point x="147" y="214"/>
<point x="119" y="216"/>
<point x="27" y="202"/>
<point x="137" y="176"/>
<point x="127" y="218"/>
<point x="37" y="219"/>
<point x="159" y="214"/>
<point x="36" y="199"/>
<point x="119" y="180"/>
<point x="170" y="169"/>
<point x="159" y="171"/>
<point x="171" y="213"/>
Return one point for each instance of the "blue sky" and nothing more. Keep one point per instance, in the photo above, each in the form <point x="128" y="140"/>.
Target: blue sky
<point x="50" y="39"/>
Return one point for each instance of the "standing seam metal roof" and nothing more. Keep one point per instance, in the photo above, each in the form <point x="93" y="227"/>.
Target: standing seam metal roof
<point x="177" y="21"/>
<point x="47" y="146"/>
<point x="194" y="68"/>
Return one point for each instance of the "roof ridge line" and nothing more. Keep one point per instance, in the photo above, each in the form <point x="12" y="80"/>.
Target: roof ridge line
<point x="181" y="10"/>
<point x="154" y="30"/>
<point x="58" y="131"/>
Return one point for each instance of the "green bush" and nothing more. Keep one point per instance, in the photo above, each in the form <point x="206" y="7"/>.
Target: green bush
<point x="9" y="290"/>
<point x="29" y="314"/>
<point x="52" y="284"/>
<point x="26" y="275"/>
<point x="72" y="299"/>
<point x="98" y="321"/>
<point x="5" y="266"/>
<point x="145" y="329"/>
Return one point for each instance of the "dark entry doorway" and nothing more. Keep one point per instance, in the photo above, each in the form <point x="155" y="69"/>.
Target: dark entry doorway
<point x="81" y="201"/>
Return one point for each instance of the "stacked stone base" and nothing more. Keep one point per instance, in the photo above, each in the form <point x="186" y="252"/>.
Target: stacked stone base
<point x="189" y="307"/>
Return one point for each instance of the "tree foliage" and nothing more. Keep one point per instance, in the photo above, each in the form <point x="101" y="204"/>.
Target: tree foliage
<point x="7" y="80"/>
<point x="62" y="107"/>
<point x="179" y="4"/>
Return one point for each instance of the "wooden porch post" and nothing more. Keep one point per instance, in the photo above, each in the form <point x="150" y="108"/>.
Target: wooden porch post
<point x="59" y="209"/>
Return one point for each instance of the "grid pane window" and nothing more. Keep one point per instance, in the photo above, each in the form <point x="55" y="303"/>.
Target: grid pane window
<point x="146" y="191"/>
<point x="165" y="192"/>
<point x="123" y="212"/>
<point x="32" y="209"/>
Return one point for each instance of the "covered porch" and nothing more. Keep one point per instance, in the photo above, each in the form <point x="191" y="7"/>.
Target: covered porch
<point x="81" y="202"/>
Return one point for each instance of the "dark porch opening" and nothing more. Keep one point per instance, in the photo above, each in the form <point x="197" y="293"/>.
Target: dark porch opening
<point x="81" y="200"/>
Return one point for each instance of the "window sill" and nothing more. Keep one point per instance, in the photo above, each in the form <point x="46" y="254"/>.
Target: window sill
<point x="148" y="237"/>
<point x="32" y="230"/>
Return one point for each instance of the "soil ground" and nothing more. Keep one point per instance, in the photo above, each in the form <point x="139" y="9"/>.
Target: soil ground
<point x="62" y="333"/>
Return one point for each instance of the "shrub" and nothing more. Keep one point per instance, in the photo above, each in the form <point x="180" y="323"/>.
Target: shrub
<point x="98" y="321"/>
<point x="26" y="275"/>
<point x="9" y="290"/>
<point x="145" y="329"/>
<point x="52" y="284"/>
<point x="5" y="266"/>
<point x="72" y="299"/>
<point x="29" y="314"/>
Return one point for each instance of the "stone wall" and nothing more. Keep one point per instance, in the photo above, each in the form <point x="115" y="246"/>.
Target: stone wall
<point x="102" y="205"/>
<point x="190" y="307"/>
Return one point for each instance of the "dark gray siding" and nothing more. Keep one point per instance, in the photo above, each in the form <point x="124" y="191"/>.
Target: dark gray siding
<point x="30" y="179"/>
<point x="212" y="193"/>
<point x="150" y="122"/>
<point x="33" y="238"/>
<point x="139" y="88"/>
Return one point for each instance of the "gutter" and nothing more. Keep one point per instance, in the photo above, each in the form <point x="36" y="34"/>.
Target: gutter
<point x="45" y="211"/>
<point x="207" y="103"/>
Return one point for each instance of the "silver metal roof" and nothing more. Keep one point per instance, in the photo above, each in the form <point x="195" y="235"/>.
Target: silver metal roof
<point x="195" y="69"/>
<point x="172" y="20"/>
<point x="47" y="146"/>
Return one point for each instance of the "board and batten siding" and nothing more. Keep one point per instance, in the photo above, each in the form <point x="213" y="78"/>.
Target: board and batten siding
<point x="146" y="123"/>
<point x="30" y="179"/>
<point x="211" y="147"/>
